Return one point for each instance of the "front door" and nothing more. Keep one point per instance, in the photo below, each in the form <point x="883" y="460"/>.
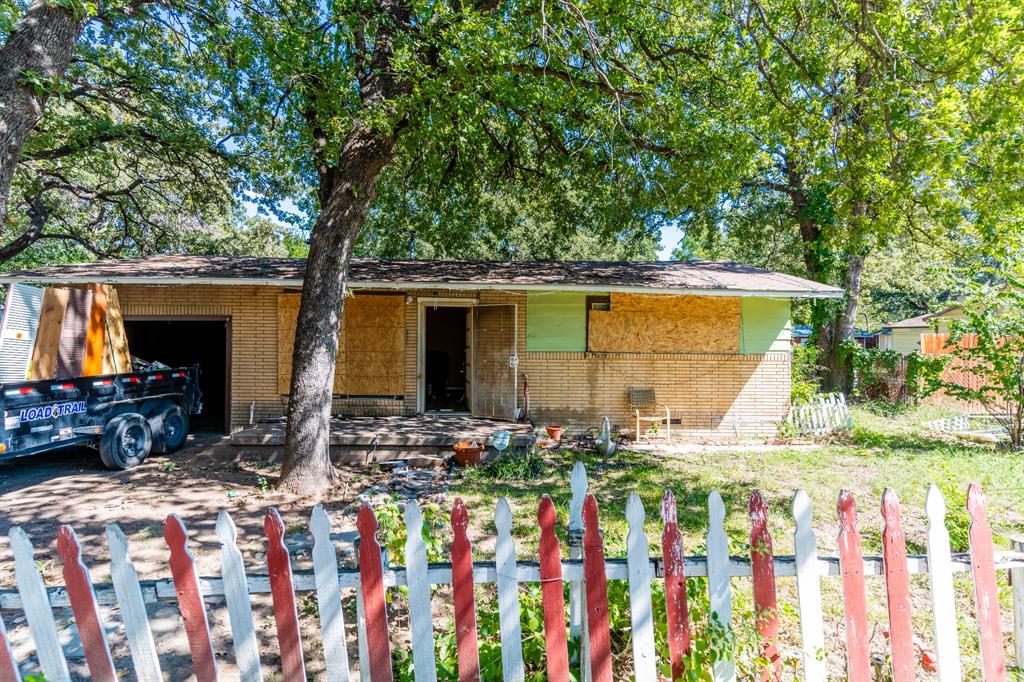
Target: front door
<point x="493" y="388"/>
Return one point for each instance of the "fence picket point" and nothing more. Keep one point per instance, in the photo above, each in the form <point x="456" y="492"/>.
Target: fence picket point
<point x="555" y="644"/>
<point x="897" y="589"/>
<point x="763" y="569"/>
<point x="986" y="593"/>
<point x="508" y="595"/>
<point x="421" y="619"/>
<point x="83" y="606"/>
<point x="133" y="608"/>
<point x="286" y="612"/>
<point x="328" y="596"/>
<point x="719" y="589"/>
<point x="676" y="607"/>
<point x="38" y="611"/>
<point x="851" y="566"/>
<point x="462" y="596"/>
<point x="8" y="666"/>
<point x="940" y="576"/>
<point x="236" y="594"/>
<point x="645" y="665"/>
<point x="190" y="599"/>
<point x="808" y="588"/>
<point x="371" y="580"/>
<point x="597" y="594"/>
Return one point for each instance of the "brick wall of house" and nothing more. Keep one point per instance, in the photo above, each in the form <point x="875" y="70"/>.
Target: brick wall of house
<point x="715" y="396"/>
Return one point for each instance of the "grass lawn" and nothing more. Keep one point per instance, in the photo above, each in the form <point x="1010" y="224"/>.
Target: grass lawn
<point x="880" y="451"/>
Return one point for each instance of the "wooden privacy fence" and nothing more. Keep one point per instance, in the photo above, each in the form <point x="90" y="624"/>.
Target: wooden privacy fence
<point x="819" y="415"/>
<point x="586" y="571"/>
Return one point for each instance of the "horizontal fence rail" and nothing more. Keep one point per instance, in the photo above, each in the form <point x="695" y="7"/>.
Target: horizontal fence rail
<point x="586" y="572"/>
<point x="819" y="415"/>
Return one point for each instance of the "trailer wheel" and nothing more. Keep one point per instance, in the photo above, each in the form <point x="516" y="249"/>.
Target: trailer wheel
<point x="126" y="441"/>
<point x="170" y="428"/>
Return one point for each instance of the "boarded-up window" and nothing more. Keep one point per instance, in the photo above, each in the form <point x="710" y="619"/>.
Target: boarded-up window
<point x="652" y="323"/>
<point x="371" y="345"/>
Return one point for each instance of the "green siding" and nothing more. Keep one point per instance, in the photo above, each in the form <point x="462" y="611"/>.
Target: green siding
<point x="764" y="325"/>
<point x="556" y="321"/>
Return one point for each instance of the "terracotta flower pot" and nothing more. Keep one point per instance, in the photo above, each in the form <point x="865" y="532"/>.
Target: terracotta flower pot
<point x="554" y="432"/>
<point x="467" y="453"/>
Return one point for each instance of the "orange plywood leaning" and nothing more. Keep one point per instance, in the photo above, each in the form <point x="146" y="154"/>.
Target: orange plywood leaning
<point x="51" y="322"/>
<point x="96" y="332"/>
<point x="116" y="357"/>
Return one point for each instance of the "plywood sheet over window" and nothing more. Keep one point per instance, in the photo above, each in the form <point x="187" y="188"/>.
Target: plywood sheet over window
<point x="371" y="345"/>
<point x="651" y="323"/>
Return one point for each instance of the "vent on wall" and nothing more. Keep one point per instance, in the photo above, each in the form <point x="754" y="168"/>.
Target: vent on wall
<point x="18" y="332"/>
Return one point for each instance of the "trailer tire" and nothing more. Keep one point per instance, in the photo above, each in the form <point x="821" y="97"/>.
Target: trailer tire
<point x="170" y="428"/>
<point x="126" y="441"/>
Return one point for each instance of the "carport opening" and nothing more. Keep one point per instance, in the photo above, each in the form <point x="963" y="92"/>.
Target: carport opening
<point x="183" y="343"/>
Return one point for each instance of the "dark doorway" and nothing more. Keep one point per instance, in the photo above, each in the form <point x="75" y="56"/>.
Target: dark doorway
<point x="444" y="346"/>
<point x="183" y="343"/>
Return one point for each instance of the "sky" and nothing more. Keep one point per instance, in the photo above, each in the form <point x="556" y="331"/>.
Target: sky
<point x="670" y="236"/>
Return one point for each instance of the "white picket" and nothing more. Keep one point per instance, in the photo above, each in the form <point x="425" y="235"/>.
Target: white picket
<point x="236" y="594"/>
<point x="719" y="590"/>
<point x="328" y="596"/>
<point x="577" y="595"/>
<point x="1017" y="597"/>
<point x="808" y="587"/>
<point x="38" y="611"/>
<point x="123" y="575"/>
<point x="645" y="667"/>
<point x="940" y="575"/>
<point x="364" y="650"/>
<point x="421" y="621"/>
<point x="508" y="596"/>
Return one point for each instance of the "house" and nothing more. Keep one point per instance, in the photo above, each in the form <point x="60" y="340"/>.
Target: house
<point x="712" y="339"/>
<point x="904" y="336"/>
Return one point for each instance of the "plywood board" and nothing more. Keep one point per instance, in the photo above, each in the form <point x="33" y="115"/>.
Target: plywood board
<point x="51" y="323"/>
<point x="116" y="357"/>
<point x="96" y="332"/>
<point x="71" y="357"/>
<point x="648" y="323"/>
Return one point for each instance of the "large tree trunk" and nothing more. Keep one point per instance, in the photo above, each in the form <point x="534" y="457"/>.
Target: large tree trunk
<point x="347" y="191"/>
<point x="41" y="45"/>
<point x="836" y="371"/>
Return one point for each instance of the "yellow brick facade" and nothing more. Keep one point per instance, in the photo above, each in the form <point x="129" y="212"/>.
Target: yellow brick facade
<point x="714" y="395"/>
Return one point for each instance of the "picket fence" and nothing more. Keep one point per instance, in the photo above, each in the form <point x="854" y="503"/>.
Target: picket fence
<point x="820" y="415"/>
<point x="587" y="572"/>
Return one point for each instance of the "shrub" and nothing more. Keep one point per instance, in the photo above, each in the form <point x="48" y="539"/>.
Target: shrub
<point x="805" y="372"/>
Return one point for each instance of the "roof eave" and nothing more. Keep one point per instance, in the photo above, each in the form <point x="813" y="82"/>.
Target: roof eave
<point x="297" y="282"/>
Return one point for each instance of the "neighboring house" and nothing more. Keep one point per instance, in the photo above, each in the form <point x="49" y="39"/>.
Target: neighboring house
<point x="711" y="338"/>
<point x="802" y="332"/>
<point x="904" y="336"/>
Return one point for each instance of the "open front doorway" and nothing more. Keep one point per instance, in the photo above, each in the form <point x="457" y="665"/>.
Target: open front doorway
<point x="446" y="359"/>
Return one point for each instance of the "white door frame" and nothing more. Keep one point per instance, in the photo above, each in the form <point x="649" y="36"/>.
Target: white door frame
<point x="421" y="308"/>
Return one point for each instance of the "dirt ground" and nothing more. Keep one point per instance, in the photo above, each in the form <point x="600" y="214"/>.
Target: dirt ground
<point x="41" y="493"/>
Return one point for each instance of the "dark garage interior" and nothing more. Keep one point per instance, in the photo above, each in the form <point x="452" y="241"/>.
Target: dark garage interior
<point x="183" y="343"/>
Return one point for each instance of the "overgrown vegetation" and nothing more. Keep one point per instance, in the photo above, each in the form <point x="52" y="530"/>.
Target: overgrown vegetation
<point x="889" y="376"/>
<point x="805" y="372"/>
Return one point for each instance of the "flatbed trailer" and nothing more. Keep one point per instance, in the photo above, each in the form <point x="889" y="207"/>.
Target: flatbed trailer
<point x="124" y="416"/>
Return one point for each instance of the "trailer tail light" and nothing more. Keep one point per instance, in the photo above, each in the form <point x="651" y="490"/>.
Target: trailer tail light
<point x="177" y="375"/>
<point x="103" y="382"/>
<point x="156" y="377"/>
<point x="62" y="387"/>
<point x="2" y="447"/>
<point x="19" y="391"/>
<point x="133" y="380"/>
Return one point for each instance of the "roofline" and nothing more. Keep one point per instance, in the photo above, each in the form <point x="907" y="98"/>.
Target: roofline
<point x="461" y="286"/>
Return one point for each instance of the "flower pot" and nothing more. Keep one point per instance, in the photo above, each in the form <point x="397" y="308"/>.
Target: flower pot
<point x="554" y="432"/>
<point x="467" y="453"/>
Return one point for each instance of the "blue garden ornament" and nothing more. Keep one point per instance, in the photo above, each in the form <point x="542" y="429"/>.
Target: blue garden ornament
<point x="500" y="440"/>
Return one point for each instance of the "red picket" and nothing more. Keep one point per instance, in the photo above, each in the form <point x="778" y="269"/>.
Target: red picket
<point x="897" y="590"/>
<point x="286" y="615"/>
<point x="83" y="606"/>
<point x="596" y="587"/>
<point x="190" y="600"/>
<point x="986" y="594"/>
<point x="555" y="641"/>
<point x="676" y="607"/>
<point x="8" y="666"/>
<point x="371" y="578"/>
<point x="858" y="652"/>
<point x="762" y="564"/>
<point x="462" y="596"/>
